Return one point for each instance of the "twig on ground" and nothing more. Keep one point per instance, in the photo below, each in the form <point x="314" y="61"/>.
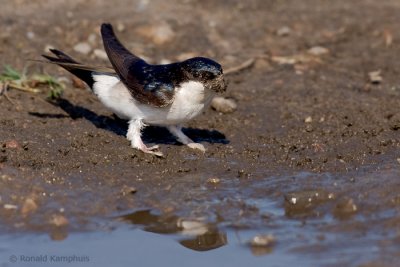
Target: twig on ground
<point x="24" y="88"/>
<point x="244" y="65"/>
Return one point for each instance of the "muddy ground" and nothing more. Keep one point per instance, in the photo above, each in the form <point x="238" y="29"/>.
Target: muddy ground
<point x="306" y="124"/>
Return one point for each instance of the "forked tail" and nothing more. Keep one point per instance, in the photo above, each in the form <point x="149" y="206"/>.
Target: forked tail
<point x="83" y="72"/>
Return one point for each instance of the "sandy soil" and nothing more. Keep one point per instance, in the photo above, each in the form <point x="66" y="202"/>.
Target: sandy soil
<point x="304" y="121"/>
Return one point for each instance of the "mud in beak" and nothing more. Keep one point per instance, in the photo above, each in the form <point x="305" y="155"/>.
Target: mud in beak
<point x="219" y="84"/>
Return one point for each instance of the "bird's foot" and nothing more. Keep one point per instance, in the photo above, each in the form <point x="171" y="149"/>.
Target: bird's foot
<point x="197" y="146"/>
<point x="134" y="135"/>
<point x="151" y="150"/>
<point x="148" y="150"/>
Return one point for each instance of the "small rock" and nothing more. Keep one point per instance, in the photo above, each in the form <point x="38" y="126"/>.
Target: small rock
<point x="165" y="61"/>
<point x="262" y="241"/>
<point x="6" y="177"/>
<point x="12" y="144"/>
<point x="92" y="39"/>
<point x="398" y="160"/>
<point x="128" y="190"/>
<point x="283" y="31"/>
<point x="59" y="220"/>
<point x="29" y="206"/>
<point x="120" y="27"/>
<point x="101" y="54"/>
<point x="345" y="208"/>
<point x="243" y="174"/>
<point x="78" y="83"/>
<point x="375" y="77"/>
<point x="10" y="206"/>
<point x="308" y="119"/>
<point x="159" y="34"/>
<point x="213" y="180"/>
<point x="185" y="56"/>
<point x="318" y="51"/>
<point x="192" y="227"/>
<point x="223" y="105"/>
<point x="142" y="5"/>
<point x="30" y="35"/>
<point x="304" y="202"/>
<point x="83" y="48"/>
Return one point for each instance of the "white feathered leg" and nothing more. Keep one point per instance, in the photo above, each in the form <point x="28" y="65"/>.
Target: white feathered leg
<point x="134" y="135"/>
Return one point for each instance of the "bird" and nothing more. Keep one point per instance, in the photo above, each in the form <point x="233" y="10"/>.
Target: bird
<point x="143" y="94"/>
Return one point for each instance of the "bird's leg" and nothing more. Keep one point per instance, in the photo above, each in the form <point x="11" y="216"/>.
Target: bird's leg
<point x="134" y="135"/>
<point x="176" y="130"/>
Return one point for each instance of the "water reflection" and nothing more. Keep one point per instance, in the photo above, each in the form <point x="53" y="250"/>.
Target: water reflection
<point x="201" y="236"/>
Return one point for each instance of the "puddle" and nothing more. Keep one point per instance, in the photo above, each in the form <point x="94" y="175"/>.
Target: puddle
<point x="134" y="247"/>
<point x="305" y="219"/>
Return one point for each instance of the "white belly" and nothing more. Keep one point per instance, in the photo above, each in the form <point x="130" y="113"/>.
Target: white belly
<point x="190" y="100"/>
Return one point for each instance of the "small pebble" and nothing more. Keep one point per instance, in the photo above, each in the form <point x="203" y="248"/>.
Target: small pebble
<point x="375" y="77"/>
<point x="10" y="207"/>
<point x="223" y="105"/>
<point x="100" y="54"/>
<point x="213" y="180"/>
<point x="262" y="240"/>
<point x="29" y="206"/>
<point x="128" y="190"/>
<point x="192" y="227"/>
<point x="83" y="48"/>
<point x="30" y="35"/>
<point x="165" y="61"/>
<point x="159" y="34"/>
<point x="120" y="27"/>
<point x="318" y="51"/>
<point x="12" y="144"/>
<point x="59" y="220"/>
<point x="345" y="208"/>
<point x="185" y="56"/>
<point x="78" y="83"/>
<point x="308" y="119"/>
<point x="283" y="31"/>
<point x="92" y="39"/>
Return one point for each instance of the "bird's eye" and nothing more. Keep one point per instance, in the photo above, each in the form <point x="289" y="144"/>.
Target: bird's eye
<point x="209" y="75"/>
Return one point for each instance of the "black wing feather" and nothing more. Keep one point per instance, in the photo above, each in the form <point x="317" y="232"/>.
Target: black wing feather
<point x="146" y="83"/>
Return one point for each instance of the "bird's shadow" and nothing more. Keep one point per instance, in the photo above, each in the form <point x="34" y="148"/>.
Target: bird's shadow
<point x="151" y="134"/>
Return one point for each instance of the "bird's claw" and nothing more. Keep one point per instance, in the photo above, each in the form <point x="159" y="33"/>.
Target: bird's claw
<point x="150" y="150"/>
<point x="197" y="146"/>
<point x="155" y="147"/>
<point x="156" y="153"/>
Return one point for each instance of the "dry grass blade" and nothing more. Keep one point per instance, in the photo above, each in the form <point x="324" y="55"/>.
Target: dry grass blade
<point x="23" y="88"/>
<point x="3" y="91"/>
<point x="244" y="65"/>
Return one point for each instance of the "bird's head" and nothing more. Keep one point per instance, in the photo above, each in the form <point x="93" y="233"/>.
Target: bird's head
<point x="206" y="71"/>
